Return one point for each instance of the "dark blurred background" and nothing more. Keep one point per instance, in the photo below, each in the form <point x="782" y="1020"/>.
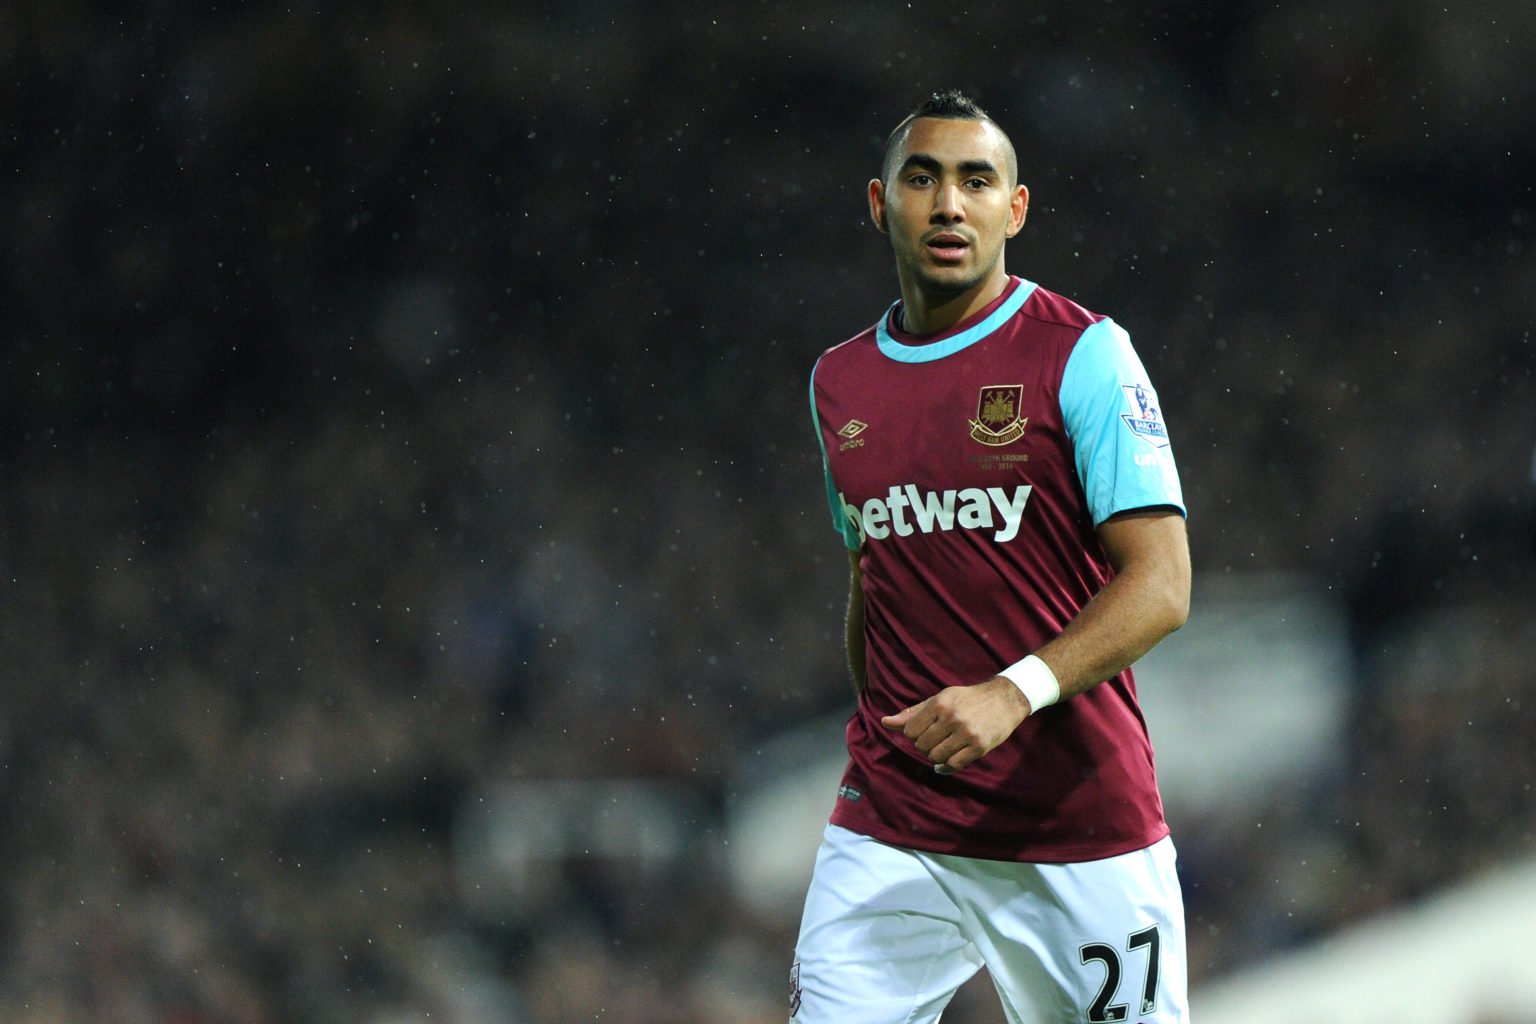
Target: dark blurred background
<point x="401" y="402"/>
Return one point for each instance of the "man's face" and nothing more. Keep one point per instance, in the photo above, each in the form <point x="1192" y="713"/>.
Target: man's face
<point x="949" y="204"/>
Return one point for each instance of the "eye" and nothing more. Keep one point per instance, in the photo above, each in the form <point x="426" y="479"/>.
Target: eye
<point x="977" y="183"/>
<point x="920" y="179"/>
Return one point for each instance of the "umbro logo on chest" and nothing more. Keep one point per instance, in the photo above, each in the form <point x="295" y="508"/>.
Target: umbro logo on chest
<point x="850" y="432"/>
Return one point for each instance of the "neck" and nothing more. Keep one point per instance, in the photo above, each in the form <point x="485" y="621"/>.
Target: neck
<point x="928" y="312"/>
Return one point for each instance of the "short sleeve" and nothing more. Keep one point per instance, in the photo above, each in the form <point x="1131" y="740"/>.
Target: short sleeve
<point x="1115" y="422"/>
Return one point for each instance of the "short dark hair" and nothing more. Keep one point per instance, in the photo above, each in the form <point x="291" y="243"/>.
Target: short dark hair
<point x="949" y="104"/>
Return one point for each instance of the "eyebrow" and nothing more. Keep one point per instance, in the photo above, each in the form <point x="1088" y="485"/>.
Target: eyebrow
<point x="931" y="163"/>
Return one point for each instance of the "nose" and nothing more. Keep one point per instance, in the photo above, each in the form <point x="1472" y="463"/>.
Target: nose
<point x="947" y="208"/>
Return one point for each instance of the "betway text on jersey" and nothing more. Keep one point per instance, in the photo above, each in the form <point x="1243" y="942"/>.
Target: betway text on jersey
<point x="905" y="510"/>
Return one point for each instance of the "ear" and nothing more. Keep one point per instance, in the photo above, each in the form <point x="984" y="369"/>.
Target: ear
<point x="877" y="204"/>
<point x="1018" y="209"/>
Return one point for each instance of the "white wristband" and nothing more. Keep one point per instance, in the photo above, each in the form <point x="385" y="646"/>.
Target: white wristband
<point x="1035" y="681"/>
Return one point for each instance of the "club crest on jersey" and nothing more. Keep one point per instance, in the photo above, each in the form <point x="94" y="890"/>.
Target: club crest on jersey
<point x="1145" y="419"/>
<point x="998" y="421"/>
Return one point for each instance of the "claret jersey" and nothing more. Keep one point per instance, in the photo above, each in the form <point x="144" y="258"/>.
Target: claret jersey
<point x="969" y="469"/>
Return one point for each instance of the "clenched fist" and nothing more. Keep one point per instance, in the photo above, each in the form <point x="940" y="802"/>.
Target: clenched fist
<point x="959" y="724"/>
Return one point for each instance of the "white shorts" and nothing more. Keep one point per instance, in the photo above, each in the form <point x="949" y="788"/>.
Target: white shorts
<point x="889" y="934"/>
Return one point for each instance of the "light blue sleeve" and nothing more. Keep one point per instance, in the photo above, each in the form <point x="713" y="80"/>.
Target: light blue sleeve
<point x="839" y="518"/>
<point x="1112" y="416"/>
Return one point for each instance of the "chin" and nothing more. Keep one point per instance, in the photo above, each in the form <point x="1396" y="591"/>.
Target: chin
<point x="949" y="280"/>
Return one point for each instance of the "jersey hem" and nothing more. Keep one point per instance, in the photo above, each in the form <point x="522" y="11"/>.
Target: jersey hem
<point x="1053" y="854"/>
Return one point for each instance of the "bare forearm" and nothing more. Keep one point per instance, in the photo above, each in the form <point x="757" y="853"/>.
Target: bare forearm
<point x="1124" y="621"/>
<point x="1147" y="599"/>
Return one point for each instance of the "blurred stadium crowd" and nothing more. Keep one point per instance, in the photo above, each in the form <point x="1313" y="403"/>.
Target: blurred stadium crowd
<point x="398" y="401"/>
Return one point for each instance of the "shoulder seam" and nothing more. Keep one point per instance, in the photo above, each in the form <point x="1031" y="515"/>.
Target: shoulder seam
<point x="1041" y="292"/>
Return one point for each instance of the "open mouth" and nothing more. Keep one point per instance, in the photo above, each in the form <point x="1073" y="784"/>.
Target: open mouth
<point x="948" y="247"/>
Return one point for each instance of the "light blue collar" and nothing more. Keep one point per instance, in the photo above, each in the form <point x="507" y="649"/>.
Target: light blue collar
<point x="894" y="349"/>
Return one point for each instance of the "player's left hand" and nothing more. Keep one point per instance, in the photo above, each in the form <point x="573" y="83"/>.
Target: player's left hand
<point x="960" y="724"/>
